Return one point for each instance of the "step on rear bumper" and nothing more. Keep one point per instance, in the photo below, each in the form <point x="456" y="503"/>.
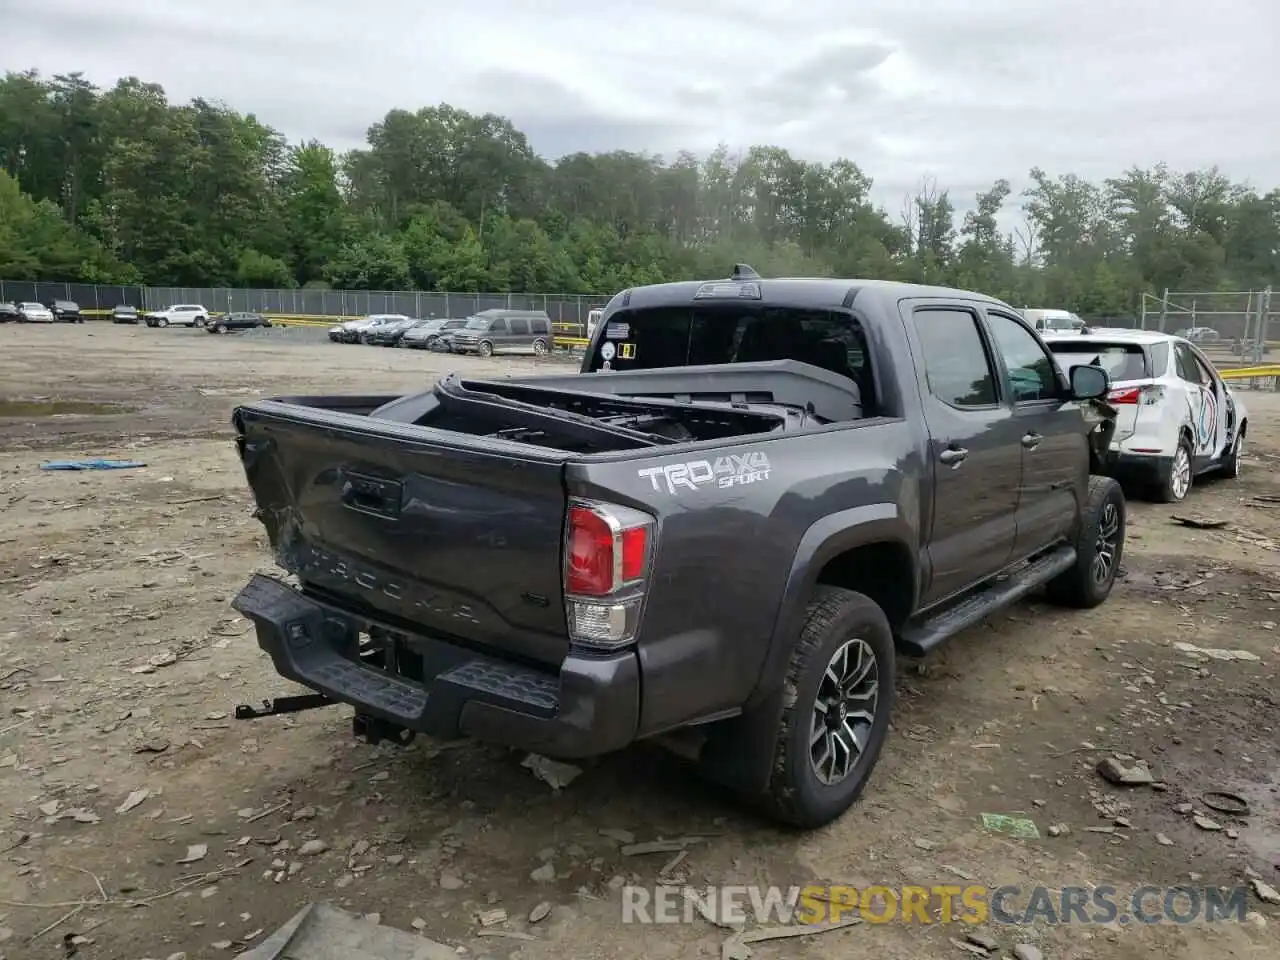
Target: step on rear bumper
<point x="590" y="707"/>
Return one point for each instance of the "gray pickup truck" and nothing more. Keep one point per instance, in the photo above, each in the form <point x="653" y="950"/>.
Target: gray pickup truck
<point x="718" y="535"/>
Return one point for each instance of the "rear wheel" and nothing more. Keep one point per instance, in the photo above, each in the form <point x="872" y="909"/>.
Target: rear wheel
<point x="198" y="322"/>
<point x="1231" y="462"/>
<point x="539" y="348"/>
<point x="838" y="694"/>
<point x="1099" y="548"/>
<point x="1176" y="483"/>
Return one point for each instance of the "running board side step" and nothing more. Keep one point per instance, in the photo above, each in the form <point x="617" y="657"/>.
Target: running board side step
<point x="919" y="637"/>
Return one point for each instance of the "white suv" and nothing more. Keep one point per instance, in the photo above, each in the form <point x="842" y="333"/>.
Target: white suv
<point x="1176" y="416"/>
<point x="179" y="315"/>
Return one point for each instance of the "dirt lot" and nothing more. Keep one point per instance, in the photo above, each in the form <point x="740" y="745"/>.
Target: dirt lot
<point x="121" y="661"/>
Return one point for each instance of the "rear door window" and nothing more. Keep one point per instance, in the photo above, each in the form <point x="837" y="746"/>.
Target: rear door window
<point x="519" y="326"/>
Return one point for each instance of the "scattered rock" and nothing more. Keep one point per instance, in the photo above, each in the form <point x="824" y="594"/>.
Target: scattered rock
<point x="1265" y="892"/>
<point x="313" y="848"/>
<point x="1163" y="840"/>
<point x="1183" y="808"/>
<point x="554" y="773"/>
<point x="539" y="912"/>
<point x="1059" y="830"/>
<point x="491" y="918"/>
<point x="418" y="924"/>
<point x="985" y="941"/>
<point x="923" y="844"/>
<point x="221" y="944"/>
<point x="1113" y="771"/>
<point x="1027" y="951"/>
<point x="1257" y="919"/>
<point x="544" y="874"/>
<point x="195" y="853"/>
<point x="304" y="813"/>
<point x="450" y="881"/>
<point x="395" y="859"/>
<point x="1204" y="823"/>
<point x="51" y="808"/>
<point x="133" y="800"/>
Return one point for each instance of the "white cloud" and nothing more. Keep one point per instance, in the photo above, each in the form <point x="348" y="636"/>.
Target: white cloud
<point x="965" y="90"/>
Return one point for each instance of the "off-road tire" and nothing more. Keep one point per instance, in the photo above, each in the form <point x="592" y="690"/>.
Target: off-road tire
<point x="795" y="795"/>
<point x="1231" y="462"/>
<point x="1080" y="586"/>
<point x="484" y="348"/>
<point x="1164" y="491"/>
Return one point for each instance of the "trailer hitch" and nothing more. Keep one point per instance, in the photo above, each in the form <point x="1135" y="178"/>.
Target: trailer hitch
<point x="280" y="705"/>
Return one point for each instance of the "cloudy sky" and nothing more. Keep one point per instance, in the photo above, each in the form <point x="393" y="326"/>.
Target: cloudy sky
<point x="962" y="90"/>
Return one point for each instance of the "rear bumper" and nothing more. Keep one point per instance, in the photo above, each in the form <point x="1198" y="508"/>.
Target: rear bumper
<point x="591" y="706"/>
<point x="1138" y="467"/>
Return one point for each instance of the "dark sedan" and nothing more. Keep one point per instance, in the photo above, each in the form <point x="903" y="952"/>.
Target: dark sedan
<point x="66" y="311"/>
<point x="124" y="314"/>
<point x="9" y="313"/>
<point x="236" y="321"/>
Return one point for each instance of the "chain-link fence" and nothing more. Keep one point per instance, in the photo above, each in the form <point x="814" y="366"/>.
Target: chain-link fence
<point x="1233" y="315"/>
<point x="564" y="309"/>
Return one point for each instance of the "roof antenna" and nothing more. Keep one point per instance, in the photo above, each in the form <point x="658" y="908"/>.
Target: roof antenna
<point x="742" y="271"/>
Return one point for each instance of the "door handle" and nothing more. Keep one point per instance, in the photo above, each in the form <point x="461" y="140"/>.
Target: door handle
<point x="1031" y="440"/>
<point x="953" y="456"/>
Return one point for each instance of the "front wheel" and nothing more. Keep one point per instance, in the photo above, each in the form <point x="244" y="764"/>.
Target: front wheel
<point x="198" y="322"/>
<point x="485" y="348"/>
<point x="838" y="696"/>
<point x="217" y="328"/>
<point x="1099" y="548"/>
<point x="162" y="322"/>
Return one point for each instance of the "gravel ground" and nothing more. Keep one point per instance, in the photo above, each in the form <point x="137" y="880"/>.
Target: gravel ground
<point x="144" y="822"/>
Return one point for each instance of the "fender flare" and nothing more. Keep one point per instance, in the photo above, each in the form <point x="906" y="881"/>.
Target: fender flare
<point x="826" y="539"/>
<point x="739" y="752"/>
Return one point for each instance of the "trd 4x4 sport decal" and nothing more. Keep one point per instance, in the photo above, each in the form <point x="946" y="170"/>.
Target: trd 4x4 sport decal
<point x="722" y="472"/>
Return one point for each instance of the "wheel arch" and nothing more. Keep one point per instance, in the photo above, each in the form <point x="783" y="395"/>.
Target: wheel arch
<point x="870" y="549"/>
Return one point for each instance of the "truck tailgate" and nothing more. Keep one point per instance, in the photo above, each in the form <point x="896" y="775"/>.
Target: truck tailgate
<point x="436" y="532"/>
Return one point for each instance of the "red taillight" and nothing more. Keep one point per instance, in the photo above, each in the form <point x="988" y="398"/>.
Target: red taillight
<point x="634" y="552"/>
<point x="590" y="554"/>
<point x="607" y="551"/>
<point x="1129" y="395"/>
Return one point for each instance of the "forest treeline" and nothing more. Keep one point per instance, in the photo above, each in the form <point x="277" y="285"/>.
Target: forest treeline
<point x="122" y="186"/>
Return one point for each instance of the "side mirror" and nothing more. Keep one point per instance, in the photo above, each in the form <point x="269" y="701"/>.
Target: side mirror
<point x="1089" y="382"/>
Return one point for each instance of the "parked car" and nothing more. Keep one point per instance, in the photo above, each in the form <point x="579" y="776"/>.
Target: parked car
<point x="237" y="321"/>
<point x="1199" y="335"/>
<point x="897" y="463"/>
<point x="9" y="313"/>
<point x="386" y="334"/>
<point x="349" y="331"/>
<point x="34" y="313"/>
<point x="1177" y="418"/>
<point x="593" y="320"/>
<point x="66" y="311"/>
<point x="179" y="315"/>
<point x="496" y="331"/>
<point x="123" y="313"/>
<point x="425" y="334"/>
<point x="1055" y="321"/>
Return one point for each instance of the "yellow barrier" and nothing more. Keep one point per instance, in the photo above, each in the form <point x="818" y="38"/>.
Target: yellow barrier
<point x="1245" y="373"/>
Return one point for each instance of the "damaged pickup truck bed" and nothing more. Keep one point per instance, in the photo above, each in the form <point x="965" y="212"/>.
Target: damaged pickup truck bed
<point x="719" y="534"/>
